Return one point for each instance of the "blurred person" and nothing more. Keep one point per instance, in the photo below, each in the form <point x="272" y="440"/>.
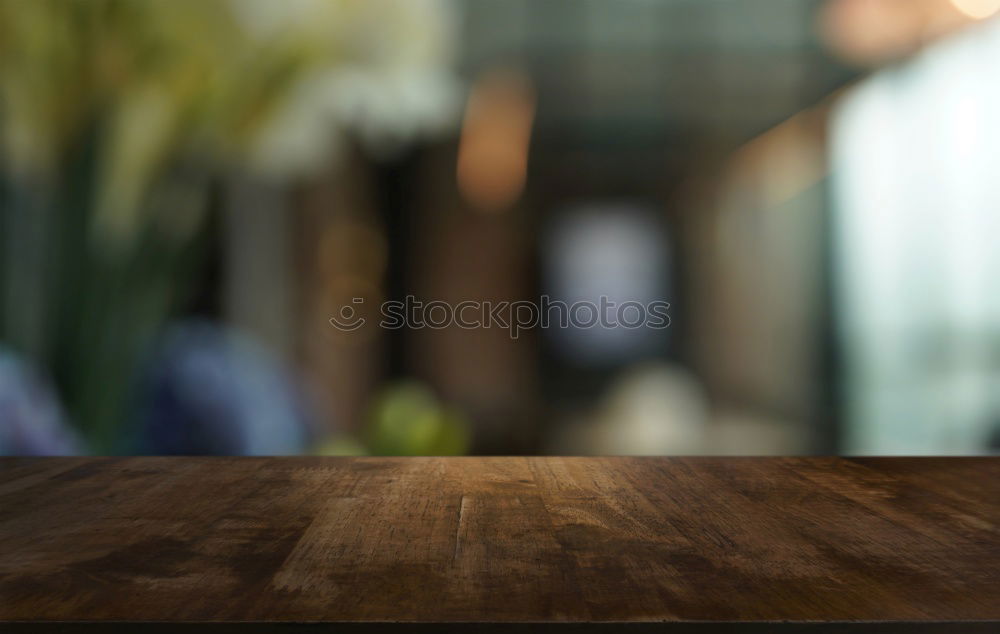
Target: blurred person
<point x="207" y="390"/>
<point x="32" y="422"/>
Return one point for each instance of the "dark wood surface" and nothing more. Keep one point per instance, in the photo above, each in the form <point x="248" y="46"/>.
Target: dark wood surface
<point x="586" y="544"/>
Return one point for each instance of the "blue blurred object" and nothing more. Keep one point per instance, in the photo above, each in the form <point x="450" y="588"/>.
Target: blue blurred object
<point x="31" y="419"/>
<point x="210" y="391"/>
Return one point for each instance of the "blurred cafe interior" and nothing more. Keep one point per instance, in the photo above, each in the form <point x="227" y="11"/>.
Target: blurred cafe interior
<point x="195" y="194"/>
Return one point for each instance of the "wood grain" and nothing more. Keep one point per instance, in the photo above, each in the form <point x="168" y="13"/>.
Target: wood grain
<point x="585" y="544"/>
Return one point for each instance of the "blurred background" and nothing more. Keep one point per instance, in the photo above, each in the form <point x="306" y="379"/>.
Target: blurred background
<point x="191" y="190"/>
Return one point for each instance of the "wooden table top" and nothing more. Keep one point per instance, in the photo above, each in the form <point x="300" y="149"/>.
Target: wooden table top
<point x="585" y="544"/>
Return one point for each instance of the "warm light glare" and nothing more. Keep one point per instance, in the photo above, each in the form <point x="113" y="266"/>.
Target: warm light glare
<point x="496" y="134"/>
<point x="977" y="9"/>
